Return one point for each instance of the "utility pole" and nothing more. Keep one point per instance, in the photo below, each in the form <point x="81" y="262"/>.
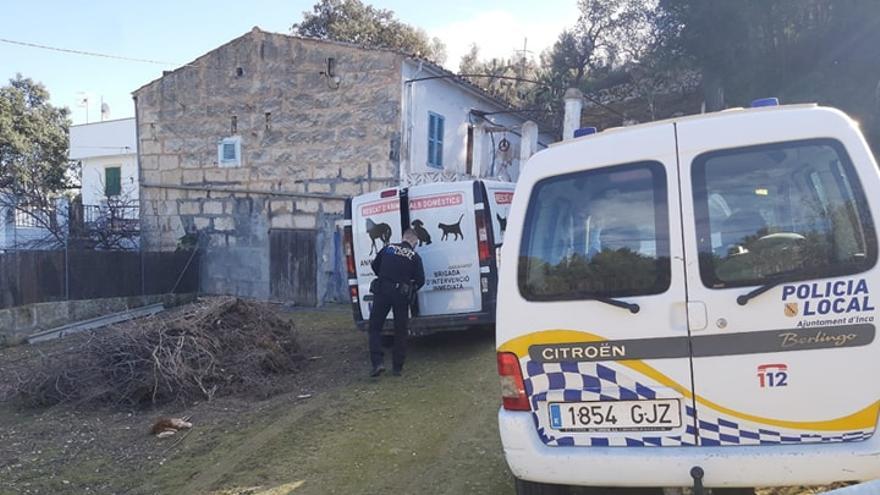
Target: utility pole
<point x="522" y="53"/>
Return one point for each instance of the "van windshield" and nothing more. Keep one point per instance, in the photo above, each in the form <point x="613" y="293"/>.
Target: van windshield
<point x="597" y="233"/>
<point x="789" y="211"/>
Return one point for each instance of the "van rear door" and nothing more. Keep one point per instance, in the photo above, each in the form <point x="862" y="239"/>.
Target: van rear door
<point x="782" y="293"/>
<point x="594" y="306"/>
<point x="375" y="222"/>
<point x="499" y="197"/>
<point x="442" y="215"/>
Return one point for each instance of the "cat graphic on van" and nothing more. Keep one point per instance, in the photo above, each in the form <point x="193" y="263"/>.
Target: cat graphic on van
<point x="454" y="229"/>
<point x="421" y="232"/>
<point x="381" y="231"/>
<point x="502" y="221"/>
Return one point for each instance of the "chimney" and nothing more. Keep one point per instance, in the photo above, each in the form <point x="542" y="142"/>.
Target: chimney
<point x="528" y="145"/>
<point x="574" y="102"/>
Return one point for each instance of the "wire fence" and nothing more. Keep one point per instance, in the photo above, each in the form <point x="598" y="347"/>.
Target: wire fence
<point x="28" y="277"/>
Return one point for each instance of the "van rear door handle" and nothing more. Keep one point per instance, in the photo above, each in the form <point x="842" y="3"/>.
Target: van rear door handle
<point x="698" y="318"/>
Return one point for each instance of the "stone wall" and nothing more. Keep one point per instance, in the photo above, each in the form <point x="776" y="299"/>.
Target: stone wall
<point x="307" y="142"/>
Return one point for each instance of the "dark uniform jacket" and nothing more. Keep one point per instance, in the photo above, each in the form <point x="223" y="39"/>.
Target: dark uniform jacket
<point x="399" y="264"/>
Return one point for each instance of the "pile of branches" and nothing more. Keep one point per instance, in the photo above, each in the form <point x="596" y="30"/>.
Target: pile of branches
<point x="197" y="352"/>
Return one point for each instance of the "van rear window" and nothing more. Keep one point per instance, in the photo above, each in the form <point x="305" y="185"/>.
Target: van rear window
<point x="597" y="233"/>
<point x="780" y="212"/>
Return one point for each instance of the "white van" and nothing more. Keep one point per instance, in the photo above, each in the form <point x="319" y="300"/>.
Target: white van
<point x="690" y="301"/>
<point x="460" y="225"/>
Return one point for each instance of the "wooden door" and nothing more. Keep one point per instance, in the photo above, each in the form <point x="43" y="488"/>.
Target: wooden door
<point x="293" y="266"/>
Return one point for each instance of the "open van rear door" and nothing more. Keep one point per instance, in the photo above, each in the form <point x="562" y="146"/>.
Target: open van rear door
<point x="782" y="277"/>
<point x="442" y="215"/>
<point x="375" y="222"/>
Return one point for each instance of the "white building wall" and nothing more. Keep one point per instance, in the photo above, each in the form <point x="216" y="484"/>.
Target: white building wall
<point x="99" y="145"/>
<point x="454" y="102"/>
<point x="93" y="177"/>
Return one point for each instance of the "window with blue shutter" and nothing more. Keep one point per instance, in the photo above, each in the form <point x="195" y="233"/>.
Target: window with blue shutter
<point x="435" y="140"/>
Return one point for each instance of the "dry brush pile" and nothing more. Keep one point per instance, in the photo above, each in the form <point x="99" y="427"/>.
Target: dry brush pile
<point x="209" y="348"/>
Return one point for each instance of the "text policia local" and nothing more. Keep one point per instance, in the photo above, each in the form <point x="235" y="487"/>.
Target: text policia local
<point x="837" y="297"/>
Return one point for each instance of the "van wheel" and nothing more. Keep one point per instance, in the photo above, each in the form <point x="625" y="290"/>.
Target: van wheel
<point x="524" y="487"/>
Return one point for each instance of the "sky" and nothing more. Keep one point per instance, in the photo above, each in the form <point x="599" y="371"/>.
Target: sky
<point x="176" y="32"/>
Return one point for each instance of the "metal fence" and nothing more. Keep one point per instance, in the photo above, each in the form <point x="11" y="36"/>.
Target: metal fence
<point x="28" y="277"/>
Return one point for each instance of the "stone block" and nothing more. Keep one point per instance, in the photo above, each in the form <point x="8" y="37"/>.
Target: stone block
<point x="334" y="206"/>
<point x="215" y="175"/>
<point x="240" y="175"/>
<point x="281" y="206"/>
<point x="151" y="176"/>
<point x="150" y="162"/>
<point x="150" y="147"/>
<point x="224" y="224"/>
<point x="325" y="171"/>
<point x="193" y="177"/>
<point x="355" y="170"/>
<point x="196" y="194"/>
<point x="304" y="221"/>
<point x="283" y="221"/>
<point x="167" y="208"/>
<point x="318" y="187"/>
<point x="169" y="162"/>
<point x="190" y="207"/>
<point x="202" y="223"/>
<point x="347" y="188"/>
<point x="308" y="205"/>
<point x="171" y="177"/>
<point x="212" y="208"/>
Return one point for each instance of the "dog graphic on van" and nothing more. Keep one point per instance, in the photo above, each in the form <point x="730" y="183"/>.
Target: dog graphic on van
<point x="381" y="231"/>
<point x="454" y="229"/>
<point x="422" y="233"/>
<point x="501" y="221"/>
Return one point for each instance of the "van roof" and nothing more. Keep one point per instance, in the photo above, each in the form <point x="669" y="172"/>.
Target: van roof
<point x="728" y="112"/>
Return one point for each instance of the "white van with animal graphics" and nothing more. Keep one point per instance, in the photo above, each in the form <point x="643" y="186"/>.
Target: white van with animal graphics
<point x="691" y="303"/>
<point x="459" y="224"/>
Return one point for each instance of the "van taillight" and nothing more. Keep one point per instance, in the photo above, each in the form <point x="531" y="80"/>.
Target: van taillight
<point x="355" y="295"/>
<point x="513" y="390"/>
<point x="483" y="238"/>
<point x="349" y="252"/>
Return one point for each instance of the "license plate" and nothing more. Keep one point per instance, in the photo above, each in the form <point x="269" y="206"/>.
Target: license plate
<point x="622" y="415"/>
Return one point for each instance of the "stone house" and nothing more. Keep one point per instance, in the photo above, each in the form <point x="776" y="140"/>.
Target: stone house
<point x="251" y="150"/>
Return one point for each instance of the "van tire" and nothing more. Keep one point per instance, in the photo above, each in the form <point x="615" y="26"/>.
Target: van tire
<point x="524" y="487"/>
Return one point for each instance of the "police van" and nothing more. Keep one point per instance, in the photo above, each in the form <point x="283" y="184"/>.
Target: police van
<point x="460" y="225"/>
<point x="691" y="303"/>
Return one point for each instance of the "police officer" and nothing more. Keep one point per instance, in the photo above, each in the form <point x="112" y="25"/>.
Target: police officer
<point x="400" y="274"/>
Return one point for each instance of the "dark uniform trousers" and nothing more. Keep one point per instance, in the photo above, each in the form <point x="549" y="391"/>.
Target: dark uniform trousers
<point x="388" y="299"/>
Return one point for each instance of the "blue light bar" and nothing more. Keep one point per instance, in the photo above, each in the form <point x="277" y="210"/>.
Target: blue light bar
<point x="585" y="131"/>
<point x="765" y="102"/>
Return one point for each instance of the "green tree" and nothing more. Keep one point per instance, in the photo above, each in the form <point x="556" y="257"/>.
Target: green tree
<point x="807" y="51"/>
<point x="506" y="78"/>
<point x="352" y="21"/>
<point x="33" y="141"/>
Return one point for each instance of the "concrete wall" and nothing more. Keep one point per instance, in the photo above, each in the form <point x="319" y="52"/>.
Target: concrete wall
<point x="93" y="177"/>
<point x="300" y="132"/>
<point x="22" y="321"/>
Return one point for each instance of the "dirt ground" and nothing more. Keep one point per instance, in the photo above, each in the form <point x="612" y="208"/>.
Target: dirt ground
<point x="329" y="430"/>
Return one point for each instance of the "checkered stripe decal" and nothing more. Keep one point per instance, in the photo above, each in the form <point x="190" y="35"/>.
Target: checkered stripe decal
<point x="592" y="381"/>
